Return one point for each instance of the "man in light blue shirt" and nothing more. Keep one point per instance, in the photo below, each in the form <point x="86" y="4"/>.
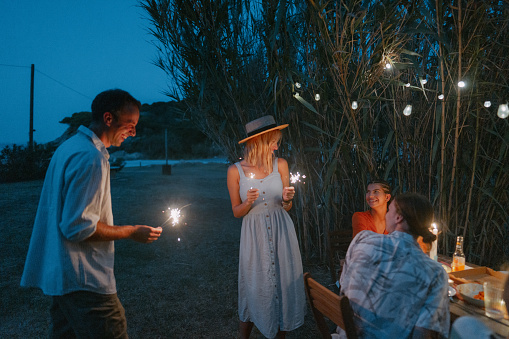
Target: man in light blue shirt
<point x="71" y="251"/>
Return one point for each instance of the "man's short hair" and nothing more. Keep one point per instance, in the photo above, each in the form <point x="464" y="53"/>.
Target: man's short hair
<point x="113" y="101"/>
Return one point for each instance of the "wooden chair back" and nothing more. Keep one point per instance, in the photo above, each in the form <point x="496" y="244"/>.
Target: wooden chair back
<point x="337" y="245"/>
<point x="325" y="303"/>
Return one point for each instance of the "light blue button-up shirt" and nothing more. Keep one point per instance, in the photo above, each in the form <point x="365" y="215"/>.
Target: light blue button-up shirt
<point x="75" y="196"/>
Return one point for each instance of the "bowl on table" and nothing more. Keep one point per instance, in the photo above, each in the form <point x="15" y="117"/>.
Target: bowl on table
<point x="469" y="291"/>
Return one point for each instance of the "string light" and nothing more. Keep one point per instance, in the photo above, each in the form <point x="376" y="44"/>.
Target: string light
<point x="408" y="110"/>
<point x="503" y="111"/>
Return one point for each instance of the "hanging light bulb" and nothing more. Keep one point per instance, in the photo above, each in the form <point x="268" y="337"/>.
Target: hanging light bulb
<point x="297" y="84"/>
<point x="487" y="104"/>
<point x="354" y="105"/>
<point x="388" y="66"/>
<point x="408" y="110"/>
<point x="441" y="97"/>
<point x="317" y="97"/>
<point x="424" y="81"/>
<point x="407" y="84"/>
<point x="461" y="84"/>
<point x="503" y="111"/>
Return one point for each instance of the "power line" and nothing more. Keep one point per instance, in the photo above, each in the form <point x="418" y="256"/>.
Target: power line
<point x="49" y="77"/>
<point x="62" y="84"/>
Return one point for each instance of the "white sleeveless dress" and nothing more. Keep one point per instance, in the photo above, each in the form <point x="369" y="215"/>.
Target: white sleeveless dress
<point x="271" y="285"/>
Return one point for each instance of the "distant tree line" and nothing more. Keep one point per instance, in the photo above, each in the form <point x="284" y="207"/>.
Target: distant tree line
<point x="184" y="140"/>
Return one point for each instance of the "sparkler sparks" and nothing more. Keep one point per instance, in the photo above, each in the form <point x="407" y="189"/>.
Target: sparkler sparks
<point x="294" y="178"/>
<point x="174" y="215"/>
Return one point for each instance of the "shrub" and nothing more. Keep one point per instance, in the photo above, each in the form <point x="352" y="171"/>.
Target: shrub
<point x="19" y="163"/>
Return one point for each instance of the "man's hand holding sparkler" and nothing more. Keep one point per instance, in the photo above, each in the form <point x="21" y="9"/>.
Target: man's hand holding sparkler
<point x="145" y="234"/>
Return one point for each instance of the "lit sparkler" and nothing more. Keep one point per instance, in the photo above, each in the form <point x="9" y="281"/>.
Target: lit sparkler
<point x="174" y="215"/>
<point x="294" y="178"/>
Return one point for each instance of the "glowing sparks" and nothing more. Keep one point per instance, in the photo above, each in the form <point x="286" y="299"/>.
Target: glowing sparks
<point x="294" y="178"/>
<point x="175" y="216"/>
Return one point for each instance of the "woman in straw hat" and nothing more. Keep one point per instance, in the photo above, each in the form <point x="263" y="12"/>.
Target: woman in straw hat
<point x="271" y="285"/>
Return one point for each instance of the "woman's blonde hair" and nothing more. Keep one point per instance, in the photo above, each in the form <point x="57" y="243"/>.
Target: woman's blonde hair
<point x="257" y="150"/>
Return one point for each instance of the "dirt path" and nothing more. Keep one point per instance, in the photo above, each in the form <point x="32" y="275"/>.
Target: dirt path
<point x="170" y="288"/>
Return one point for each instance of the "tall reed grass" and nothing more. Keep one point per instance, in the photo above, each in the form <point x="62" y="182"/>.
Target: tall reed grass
<point x="233" y="61"/>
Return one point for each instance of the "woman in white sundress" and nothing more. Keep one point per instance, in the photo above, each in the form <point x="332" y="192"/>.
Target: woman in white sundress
<point x="271" y="285"/>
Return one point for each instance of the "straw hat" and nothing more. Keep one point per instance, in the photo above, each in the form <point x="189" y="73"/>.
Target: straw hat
<point x="261" y="125"/>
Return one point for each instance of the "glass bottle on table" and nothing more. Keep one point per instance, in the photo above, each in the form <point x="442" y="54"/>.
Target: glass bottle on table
<point x="458" y="258"/>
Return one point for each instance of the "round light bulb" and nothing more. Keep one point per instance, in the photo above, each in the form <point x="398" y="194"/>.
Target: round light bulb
<point x="317" y="97"/>
<point x="388" y="66"/>
<point x="461" y="84"/>
<point x="487" y="104"/>
<point x="503" y="111"/>
<point x="441" y="97"/>
<point x="408" y="110"/>
<point x="354" y="105"/>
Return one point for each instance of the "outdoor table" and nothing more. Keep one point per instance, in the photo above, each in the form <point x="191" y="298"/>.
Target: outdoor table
<point x="459" y="308"/>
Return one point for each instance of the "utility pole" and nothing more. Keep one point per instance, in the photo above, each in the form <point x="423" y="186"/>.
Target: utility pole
<point x="31" y="132"/>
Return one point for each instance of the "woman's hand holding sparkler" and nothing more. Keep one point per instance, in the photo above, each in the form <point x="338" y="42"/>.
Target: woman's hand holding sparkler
<point x="288" y="193"/>
<point x="145" y="234"/>
<point x="252" y="195"/>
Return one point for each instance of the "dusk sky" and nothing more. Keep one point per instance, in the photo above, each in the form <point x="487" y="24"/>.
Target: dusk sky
<point x="79" y="48"/>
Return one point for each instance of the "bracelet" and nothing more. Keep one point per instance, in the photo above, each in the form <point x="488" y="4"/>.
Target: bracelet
<point x="286" y="203"/>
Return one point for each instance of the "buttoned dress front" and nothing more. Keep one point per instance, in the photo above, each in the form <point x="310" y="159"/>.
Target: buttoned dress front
<point x="271" y="285"/>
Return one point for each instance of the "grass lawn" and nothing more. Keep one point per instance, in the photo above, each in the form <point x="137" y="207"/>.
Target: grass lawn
<point x="170" y="288"/>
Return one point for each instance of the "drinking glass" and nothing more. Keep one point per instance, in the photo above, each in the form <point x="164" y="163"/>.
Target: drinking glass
<point x="493" y="301"/>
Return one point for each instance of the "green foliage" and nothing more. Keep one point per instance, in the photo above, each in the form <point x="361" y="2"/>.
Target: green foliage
<point x="19" y="163"/>
<point x="237" y="60"/>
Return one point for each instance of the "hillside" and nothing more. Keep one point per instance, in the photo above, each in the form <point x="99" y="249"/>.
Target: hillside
<point x="183" y="138"/>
